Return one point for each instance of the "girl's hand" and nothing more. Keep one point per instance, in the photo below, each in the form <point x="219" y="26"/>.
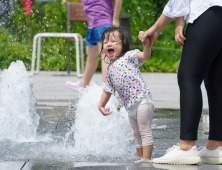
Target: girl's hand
<point x="104" y="99"/>
<point x="142" y="56"/>
<point x="115" y="23"/>
<point x="140" y="36"/>
<point x="105" y="111"/>
<point x="179" y="31"/>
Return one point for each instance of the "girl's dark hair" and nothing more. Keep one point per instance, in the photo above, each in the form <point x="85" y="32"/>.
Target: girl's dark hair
<point x="125" y="37"/>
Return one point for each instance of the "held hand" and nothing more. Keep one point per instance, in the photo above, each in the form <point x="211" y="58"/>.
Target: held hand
<point x="179" y="31"/>
<point x="152" y="34"/>
<point x="115" y="23"/>
<point x="140" y="36"/>
<point x="104" y="111"/>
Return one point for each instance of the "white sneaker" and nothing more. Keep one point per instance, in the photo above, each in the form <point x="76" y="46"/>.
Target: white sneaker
<point x="179" y="157"/>
<point x="143" y="161"/>
<point x="211" y="156"/>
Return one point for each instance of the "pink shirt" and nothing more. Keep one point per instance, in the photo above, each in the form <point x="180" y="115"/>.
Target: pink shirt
<point x="124" y="77"/>
<point x="98" y="12"/>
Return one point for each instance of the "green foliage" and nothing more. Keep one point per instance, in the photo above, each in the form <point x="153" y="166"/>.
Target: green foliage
<point x="143" y="15"/>
<point x="10" y="51"/>
<point x="17" y="35"/>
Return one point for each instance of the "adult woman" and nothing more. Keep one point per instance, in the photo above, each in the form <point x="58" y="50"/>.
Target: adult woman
<point x="201" y="60"/>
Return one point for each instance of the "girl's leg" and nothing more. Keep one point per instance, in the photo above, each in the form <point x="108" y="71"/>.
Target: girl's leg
<point x="147" y="152"/>
<point x="139" y="152"/>
<point x="213" y="84"/>
<point x="136" y="133"/>
<point x="200" y="50"/>
<point x="104" y="66"/>
<point x="91" y="63"/>
<point x="144" y="119"/>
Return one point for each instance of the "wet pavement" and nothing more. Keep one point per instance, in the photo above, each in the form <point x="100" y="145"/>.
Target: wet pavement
<point x="50" y="90"/>
<point x="52" y="153"/>
<point x="41" y="165"/>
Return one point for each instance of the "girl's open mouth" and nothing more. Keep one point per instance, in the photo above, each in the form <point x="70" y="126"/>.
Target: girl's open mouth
<point x="111" y="52"/>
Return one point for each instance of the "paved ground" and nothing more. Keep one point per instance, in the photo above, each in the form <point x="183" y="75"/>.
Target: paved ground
<point x="50" y="90"/>
<point x="26" y="165"/>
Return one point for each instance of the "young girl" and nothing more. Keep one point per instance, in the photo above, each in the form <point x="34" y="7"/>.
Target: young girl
<point x="123" y="75"/>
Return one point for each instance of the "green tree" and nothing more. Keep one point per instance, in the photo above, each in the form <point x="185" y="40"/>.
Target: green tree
<point x="17" y="35"/>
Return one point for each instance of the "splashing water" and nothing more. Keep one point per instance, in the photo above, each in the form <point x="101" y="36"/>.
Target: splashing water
<point x="92" y="138"/>
<point x="96" y="137"/>
<point x="100" y="135"/>
<point x="18" y="118"/>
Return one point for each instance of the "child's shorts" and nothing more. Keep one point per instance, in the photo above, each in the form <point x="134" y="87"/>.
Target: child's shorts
<point x="94" y="35"/>
<point x="147" y="99"/>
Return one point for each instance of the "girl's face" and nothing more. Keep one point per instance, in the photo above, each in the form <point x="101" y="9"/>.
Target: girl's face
<point x="112" y="45"/>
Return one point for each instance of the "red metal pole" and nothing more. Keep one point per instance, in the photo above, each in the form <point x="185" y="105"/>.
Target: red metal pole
<point x="28" y="6"/>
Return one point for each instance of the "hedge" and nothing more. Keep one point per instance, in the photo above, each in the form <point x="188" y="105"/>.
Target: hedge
<point x="18" y="32"/>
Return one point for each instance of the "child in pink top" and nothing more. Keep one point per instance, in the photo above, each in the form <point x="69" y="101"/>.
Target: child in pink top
<point x="123" y="76"/>
<point x="100" y="15"/>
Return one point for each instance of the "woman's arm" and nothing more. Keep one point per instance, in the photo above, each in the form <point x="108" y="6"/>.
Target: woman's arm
<point x="155" y="30"/>
<point x="117" y="8"/>
<point x="173" y="9"/>
<point x="179" y="31"/>
<point x="142" y="56"/>
<point x="177" y="8"/>
<point x="103" y="101"/>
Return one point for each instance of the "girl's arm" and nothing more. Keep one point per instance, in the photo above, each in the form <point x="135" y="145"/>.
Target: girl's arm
<point x="117" y="8"/>
<point x="142" y="56"/>
<point x="103" y="101"/>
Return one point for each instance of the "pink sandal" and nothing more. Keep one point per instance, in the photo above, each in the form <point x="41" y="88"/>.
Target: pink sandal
<point x="73" y="86"/>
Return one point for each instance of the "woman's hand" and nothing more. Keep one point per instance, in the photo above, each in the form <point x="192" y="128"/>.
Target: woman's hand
<point x="155" y="30"/>
<point x="142" y="56"/>
<point x="179" y="31"/>
<point x="140" y="36"/>
<point x="105" y="111"/>
<point x="152" y="34"/>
